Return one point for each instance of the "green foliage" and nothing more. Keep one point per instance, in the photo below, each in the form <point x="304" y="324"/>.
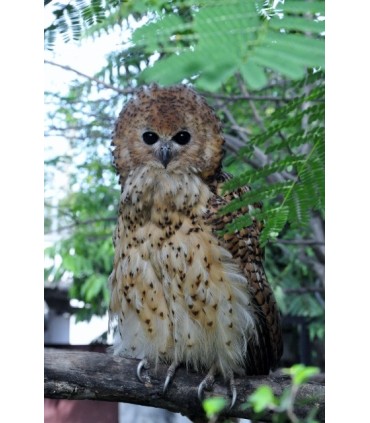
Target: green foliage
<point x="72" y="18"/>
<point x="85" y="252"/>
<point x="264" y="400"/>
<point x="220" y="39"/>
<point x="82" y="252"/>
<point x="296" y="163"/>
<point x="213" y="407"/>
<point x="300" y="373"/>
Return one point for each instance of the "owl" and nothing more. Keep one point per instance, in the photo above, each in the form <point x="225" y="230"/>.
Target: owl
<point x="182" y="291"/>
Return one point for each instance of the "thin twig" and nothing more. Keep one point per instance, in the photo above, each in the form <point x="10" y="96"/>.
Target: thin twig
<point x="256" y="115"/>
<point x="91" y="78"/>
<point x="240" y="128"/>
<point x="303" y="290"/>
<point x="86" y="222"/>
<point x="299" y="241"/>
<point x="246" y="97"/>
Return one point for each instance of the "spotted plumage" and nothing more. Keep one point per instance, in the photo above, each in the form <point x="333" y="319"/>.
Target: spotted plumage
<point x="182" y="293"/>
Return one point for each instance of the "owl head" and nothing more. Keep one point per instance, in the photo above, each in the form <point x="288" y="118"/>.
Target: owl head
<point x="170" y="128"/>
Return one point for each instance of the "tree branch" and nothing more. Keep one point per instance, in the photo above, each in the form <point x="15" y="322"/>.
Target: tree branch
<point x="83" y="223"/>
<point x="98" y="376"/>
<point x="298" y="241"/>
<point x="303" y="290"/>
<point x="232" y="98"/>
<point x="98" y="81"/>
<point x="255" y="112"/>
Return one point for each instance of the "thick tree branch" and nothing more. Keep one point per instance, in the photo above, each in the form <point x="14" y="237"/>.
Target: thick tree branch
<point x="101" y="376"/>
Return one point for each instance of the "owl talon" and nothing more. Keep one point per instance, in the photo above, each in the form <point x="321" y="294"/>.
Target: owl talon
<point x="234" y="394"/>
<point x="144" y="364"/>
<point x="206" y="383"/>
<point x="170" y="374"/>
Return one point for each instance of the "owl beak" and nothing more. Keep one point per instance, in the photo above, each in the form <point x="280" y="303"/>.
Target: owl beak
<point x="165" y="154"/>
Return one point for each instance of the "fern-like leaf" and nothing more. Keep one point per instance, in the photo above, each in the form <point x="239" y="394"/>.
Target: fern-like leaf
<point x="196" y="48"/>
<point x="296" y="162"/>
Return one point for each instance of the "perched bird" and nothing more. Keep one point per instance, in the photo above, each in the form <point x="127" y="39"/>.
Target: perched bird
<point x="182" y="293"/>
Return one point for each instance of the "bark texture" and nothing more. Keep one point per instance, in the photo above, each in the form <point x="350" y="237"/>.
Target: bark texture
<point x="101" y="376"/>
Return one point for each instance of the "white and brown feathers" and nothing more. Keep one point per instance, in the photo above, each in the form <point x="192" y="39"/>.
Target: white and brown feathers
<point x="181" y="292"/>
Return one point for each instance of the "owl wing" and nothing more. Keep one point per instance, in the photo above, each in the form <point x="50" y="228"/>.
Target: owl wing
<point x="264" y="350"/>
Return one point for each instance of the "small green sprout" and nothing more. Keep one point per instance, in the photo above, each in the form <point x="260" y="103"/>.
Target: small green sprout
<point x="214" y="406"/>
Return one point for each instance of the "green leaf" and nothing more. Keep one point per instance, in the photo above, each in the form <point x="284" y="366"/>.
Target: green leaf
<point x="158" y="33"/>
<point x="172" y="69"/>
<point x="278" y="60"/>
<point x="93" y="286"/>
<point x="253" y="74"/>
<point x="277" y="218"/>
<point x="299" y="6"/>
<point x="301" y="373"/>
<point x="214" y="73"/>
<point x="298" y="23"/>
<point x="254" y="175"/>
<point x="299" y="48"/>
<point x="229" y="38"/>
<point x="254" y="196"/>
<point x="214" y="406"/>
<point x="262" y="399"/>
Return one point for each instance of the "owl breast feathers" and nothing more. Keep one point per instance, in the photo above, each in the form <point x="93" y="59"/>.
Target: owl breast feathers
<point x="181" y="292"/>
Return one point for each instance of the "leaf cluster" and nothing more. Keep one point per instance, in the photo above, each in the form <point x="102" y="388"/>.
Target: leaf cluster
<point x="84" y="253"/>
<point x="210" y="43"/>
<point x="263" y="399"/>
<point x="71" y="19"/>
<point x="295" y="167"/>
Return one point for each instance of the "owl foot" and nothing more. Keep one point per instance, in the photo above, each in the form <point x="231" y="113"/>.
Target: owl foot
<point x="144" y="364"/>
<point x="170" y="374"/>
<point x="208" y="381"/>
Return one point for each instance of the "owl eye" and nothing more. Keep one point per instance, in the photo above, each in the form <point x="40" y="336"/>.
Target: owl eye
<point x="150" y="138"/>
<point x="182" y="137"/>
